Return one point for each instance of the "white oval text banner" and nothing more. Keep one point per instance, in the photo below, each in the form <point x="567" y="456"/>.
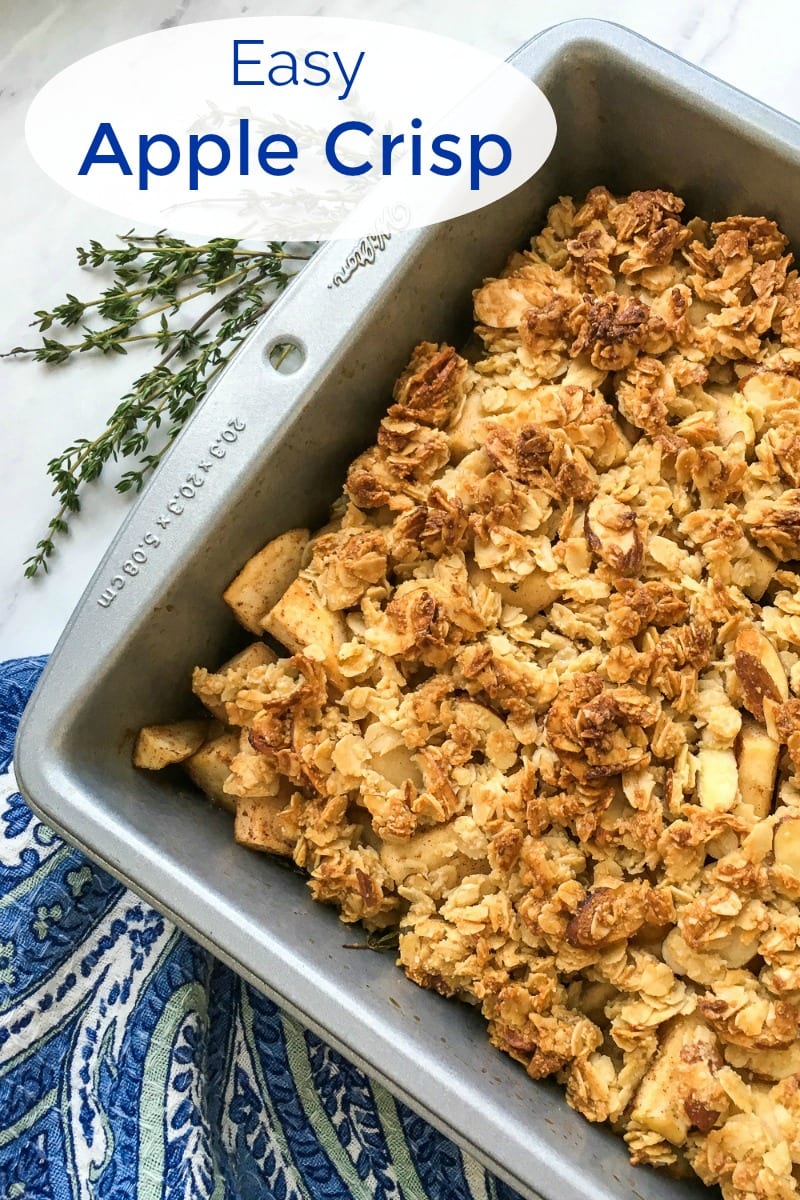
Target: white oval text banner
<point x="300" y="128"/>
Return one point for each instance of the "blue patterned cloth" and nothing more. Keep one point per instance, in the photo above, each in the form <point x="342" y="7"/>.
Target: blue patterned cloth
<point x="134" y="1066"/>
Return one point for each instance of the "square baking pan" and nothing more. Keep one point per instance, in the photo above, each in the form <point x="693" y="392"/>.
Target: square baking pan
<point x="269" y="451"/>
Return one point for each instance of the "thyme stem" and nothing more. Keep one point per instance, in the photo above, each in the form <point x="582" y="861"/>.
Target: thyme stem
<point x="166" y="270"/>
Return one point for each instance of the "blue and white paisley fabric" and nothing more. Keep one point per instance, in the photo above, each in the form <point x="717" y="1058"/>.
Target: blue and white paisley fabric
<point x="134" y="1066"/>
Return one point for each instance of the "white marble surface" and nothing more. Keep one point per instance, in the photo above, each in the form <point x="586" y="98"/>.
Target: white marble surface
<point x="751" y="43"/>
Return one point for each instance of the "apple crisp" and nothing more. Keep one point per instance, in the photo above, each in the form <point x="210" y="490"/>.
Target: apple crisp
<point x="539" y="706"/>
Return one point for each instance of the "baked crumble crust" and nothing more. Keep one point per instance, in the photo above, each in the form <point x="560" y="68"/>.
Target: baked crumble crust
<point x="543" y="706"/>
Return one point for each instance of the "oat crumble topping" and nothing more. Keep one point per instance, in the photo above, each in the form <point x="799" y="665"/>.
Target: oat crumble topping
<point x="542" y="703"/>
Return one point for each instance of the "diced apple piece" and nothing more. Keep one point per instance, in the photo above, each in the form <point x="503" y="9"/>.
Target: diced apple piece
<point x="612" y="533"/>
<point x="421" y="853"/>
<point x="786" y="845"/>
<point x="665" y="1102"/>
<point x="479" y="718"/>
<point x="734" y="422"/>
<point x="593" y="1000"/>
<point x="255" y="825"/>
<point x="397" y="766"/>
<point x="758" y="755"/>
<point x="769" y="1064"/>
<point x="683" y="960"/>
<point x="300" y="620"/>
<point x="738" y="948"/>
<point x="463" y="435"/>
<point x="265" y="577"/>
<point x="532" y="595"/>
<point x="257" y="654"/>
<point x="159" y="746"/>
<point x="764" y="566"/>
<point x="211" y="765"/>
<point x="717" y="779"/>
<point x="733" y="951"/>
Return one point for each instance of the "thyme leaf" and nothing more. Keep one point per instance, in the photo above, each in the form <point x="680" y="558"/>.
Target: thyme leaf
<point x="157" y="284"/>
<point x="378" y="939"/>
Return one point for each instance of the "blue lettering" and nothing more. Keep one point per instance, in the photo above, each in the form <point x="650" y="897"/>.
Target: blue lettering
<point x="105" y="130"/>
<point x="312" y="66"/>
<point x="245" y="62"/>
<point x="477" y="167"/>
<point x="196" y="167"/>
<point x="290" y="67"/>
<point x="265" y="153"/>
<point x="437" y="145"/>
<point x="348" y="80"/>
<point x="330" y="147"/>
<point x="244" y="146"/>
<point x="146" y="167"/>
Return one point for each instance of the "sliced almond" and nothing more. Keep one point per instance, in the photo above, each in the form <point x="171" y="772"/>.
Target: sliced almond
<point x="757" y="755"/>
<point x="759" y="670"/>
<point x="772" y="710"/>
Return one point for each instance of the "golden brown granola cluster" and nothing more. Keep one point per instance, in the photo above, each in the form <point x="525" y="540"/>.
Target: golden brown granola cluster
<point x="541" y="707"/>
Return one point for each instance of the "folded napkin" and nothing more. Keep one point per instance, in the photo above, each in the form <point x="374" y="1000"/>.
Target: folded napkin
<point x="134" y="1065"/>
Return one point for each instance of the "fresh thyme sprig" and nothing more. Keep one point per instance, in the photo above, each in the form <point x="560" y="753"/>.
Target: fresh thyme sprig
<point x="153" y="279"/>
<point x="380" y="940"/>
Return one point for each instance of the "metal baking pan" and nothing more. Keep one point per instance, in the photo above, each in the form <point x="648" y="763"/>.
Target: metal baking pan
<point x="268" y="451"/>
